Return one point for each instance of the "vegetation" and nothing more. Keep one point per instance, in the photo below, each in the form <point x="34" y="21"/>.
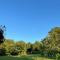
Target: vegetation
<point x="2" y="29"/>
<point x="49" y="47"/>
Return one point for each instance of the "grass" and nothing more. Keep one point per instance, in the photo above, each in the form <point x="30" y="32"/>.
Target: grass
<point x="23" y="58"/>
<point x="41" y="58"/>
<point x="14" y="58"/>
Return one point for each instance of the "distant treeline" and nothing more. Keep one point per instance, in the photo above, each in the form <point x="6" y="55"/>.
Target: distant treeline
<point x="49" y="46"/>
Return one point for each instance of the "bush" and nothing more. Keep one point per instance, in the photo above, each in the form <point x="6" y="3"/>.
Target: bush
<point x="52" y="53"/>
<point x="58" y="56"/>
<point x="14" y="52"/>
<point x="36" y="52"/>
<point x="2" y="52"/>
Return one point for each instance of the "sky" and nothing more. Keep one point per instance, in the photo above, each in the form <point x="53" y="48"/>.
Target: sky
<point x="29" y="20"/>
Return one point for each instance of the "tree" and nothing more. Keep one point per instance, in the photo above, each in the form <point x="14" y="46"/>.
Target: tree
<point x="52" y="42"/>
<point x="2" y="29"/>
<point x="21" y="47"/>
<point x="9" y="45"/>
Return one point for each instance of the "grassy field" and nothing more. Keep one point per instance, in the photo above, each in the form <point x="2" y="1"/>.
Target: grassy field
<point x="23" y="58"/>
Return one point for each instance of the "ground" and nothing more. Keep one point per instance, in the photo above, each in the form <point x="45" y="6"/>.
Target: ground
<point x="23" y="58"/>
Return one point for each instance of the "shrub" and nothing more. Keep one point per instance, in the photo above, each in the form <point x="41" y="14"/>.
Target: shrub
<point x="14" y="52"/>
<point x="2" y="52"/>
<point x="58" y="56"/>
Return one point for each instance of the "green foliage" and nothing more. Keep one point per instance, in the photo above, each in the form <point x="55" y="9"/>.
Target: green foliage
<point x="2" y="30"/>
<point x="21" y="45"/>
<point x="58" y="56"/>
<point x="2" y="52"/>
<point x="52" y="42"/>
<point x="14" y="52"/>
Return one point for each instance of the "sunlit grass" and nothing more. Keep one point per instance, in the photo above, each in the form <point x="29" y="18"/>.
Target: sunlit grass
<point x="41" y="58"/>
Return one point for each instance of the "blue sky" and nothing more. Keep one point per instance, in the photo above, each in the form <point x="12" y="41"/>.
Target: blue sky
<point x="29" y="20"/>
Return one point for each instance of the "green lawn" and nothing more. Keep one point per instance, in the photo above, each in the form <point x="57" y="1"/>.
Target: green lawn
<point x="22" y="58"/>
<point x="40" y="58"/>
<point x="14" y="58"/>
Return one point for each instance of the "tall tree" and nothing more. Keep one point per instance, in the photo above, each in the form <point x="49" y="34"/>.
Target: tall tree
<point x="2" y="29"/>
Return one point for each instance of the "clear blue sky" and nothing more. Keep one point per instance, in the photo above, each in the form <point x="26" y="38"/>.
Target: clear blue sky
<point x="29" y="20"/>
